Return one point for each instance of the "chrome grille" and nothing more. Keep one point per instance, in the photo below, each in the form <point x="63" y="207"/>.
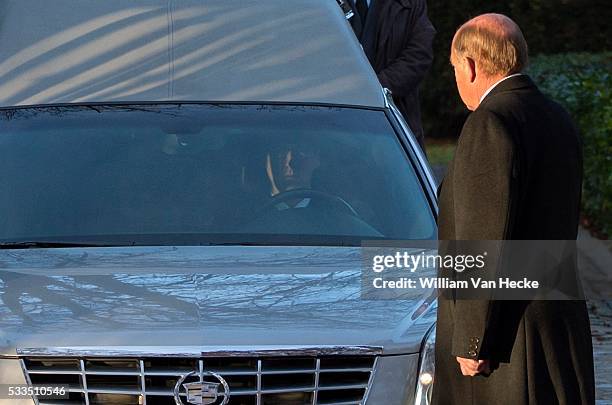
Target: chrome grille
<point x="281" y="380"/>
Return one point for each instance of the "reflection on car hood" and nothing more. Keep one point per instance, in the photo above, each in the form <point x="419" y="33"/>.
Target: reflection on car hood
<point x="198" y="296"/>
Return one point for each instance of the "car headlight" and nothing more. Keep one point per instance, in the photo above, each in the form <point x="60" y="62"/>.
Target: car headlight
<point x="425" y="378"/>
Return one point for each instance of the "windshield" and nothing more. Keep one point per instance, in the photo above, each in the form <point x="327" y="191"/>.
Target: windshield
<point x="206" y="174"/>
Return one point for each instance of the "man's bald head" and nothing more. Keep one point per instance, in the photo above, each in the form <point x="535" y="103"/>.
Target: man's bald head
<point x="494" y="41"/>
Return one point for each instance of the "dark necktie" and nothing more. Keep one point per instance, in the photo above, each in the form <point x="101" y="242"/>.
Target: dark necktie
<point x="362" y="9"/>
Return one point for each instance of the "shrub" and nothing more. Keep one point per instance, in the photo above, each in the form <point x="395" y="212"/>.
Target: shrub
<point x="549" y="26"/>
<point x="583" y="84"/>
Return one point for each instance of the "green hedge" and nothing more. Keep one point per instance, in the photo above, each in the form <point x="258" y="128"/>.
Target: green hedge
<point x="583" y="84"/>
<point x="579" y="81"/>
<point x="549" y="26"/>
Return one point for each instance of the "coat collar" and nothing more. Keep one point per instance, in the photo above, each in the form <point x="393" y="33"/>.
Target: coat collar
<point x="405" y="3"/>
<point x="511" y="84"/>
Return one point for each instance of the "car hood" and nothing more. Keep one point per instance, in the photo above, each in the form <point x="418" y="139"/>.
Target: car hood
<point x="215" y="297"/>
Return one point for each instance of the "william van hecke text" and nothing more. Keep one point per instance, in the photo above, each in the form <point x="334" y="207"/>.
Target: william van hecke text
<point x="445" y="283"/>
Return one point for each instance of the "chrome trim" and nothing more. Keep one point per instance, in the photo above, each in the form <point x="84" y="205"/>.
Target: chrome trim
<point x="317" y="370"/>
<point x="177" y="387"/>
<point x="259" y="382"/>
<point x="28" y="380"/>
<point x="201" y="370"/>
<point x="84" y="380"/>
<point x="315" y="395"/>
<point x="143" y="386"/>
<point x="409" y="135"/>
<point x="199" y="351"/>
<point x="387" y="94"/>
<point x="370" y="382"/>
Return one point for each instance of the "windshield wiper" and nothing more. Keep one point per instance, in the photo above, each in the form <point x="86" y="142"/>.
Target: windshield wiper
<point x="51" y="244"/>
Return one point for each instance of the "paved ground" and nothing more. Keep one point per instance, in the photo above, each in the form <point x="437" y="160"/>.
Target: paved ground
<point x="595" y="266"/>
<point x="595" y="263"/>
<point x="601" y="327"/>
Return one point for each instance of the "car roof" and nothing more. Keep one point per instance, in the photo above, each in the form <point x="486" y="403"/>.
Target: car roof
<point x="63" y="51"/>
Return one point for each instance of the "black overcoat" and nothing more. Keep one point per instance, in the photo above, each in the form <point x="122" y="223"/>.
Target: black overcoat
<point x="397" y="38"/>
<point x="516" y="174"/>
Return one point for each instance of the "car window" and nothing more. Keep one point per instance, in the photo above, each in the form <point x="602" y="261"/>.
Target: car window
<point x="201" y="173"/>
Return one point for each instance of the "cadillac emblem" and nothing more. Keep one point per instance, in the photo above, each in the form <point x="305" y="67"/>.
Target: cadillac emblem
<point x="202" y="392"/>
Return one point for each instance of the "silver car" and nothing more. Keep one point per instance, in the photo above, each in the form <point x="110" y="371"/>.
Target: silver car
<point x="187" y="189"/>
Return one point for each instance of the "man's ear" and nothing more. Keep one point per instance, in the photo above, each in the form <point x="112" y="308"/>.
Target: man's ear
<point x="471" y="65"/>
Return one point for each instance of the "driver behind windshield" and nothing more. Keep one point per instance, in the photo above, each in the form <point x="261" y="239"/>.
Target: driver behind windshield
<point x="297" y="205"/>
<point x="290" y="167"/>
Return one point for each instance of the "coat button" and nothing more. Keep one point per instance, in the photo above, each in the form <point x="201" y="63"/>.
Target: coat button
<point x="473" y="347"/>
<point x="474" y="340"/>
<point x="472" y="353"/>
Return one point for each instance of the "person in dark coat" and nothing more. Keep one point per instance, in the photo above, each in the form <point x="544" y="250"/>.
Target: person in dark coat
<point x="397" y="38"/>
<point x="516" y="175"/>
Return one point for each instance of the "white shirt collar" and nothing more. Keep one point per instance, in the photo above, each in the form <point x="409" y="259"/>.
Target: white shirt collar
<point x="495" y="84"/>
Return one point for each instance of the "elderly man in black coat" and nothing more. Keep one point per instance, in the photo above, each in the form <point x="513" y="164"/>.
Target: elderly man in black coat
<point x="516" y="175"/>
<point x="397" y="38"/>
